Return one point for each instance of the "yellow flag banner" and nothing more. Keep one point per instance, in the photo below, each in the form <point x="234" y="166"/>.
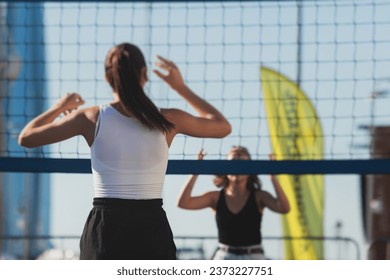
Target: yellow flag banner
<point x="296" y="134"/>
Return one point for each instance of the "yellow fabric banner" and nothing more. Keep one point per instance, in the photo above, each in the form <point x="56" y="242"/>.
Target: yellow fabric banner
<point x="296" y="134"/>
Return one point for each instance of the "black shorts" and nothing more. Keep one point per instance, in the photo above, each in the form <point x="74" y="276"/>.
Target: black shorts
<point x="122" y="229"/>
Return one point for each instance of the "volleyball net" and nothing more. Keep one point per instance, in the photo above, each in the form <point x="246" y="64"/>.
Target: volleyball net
<point x="335" y="52"/>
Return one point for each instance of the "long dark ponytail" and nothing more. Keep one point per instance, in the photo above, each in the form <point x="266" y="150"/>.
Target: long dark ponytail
<point x="124" y="69"/>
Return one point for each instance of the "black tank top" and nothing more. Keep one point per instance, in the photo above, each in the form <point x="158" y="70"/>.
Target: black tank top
<point x="241" y="229"/>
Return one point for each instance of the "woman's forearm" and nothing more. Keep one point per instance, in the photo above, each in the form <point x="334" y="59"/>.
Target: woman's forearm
<point x="42" y="119"/>
<point x="175" y="80"/>
<point x="47" y="117"/>
<point x="280" y="195"/>
<point x="185" y="195"/>
<point x="37" y="133"/>
<point x="203" y="108"/>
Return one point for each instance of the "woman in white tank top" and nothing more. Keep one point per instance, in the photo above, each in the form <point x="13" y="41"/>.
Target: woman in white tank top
<point x="129" y="140"/>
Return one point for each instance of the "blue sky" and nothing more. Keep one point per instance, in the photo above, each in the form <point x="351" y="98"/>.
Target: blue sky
<point x="220" y="48"/>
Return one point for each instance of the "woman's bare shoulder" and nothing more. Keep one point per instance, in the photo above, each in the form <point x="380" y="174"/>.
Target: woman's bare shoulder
<point x="91" y="113"/>
<point x="214" y="195"/>
<point x="260" y="194"/>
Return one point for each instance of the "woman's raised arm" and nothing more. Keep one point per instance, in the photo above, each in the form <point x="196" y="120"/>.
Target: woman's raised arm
<point x="187" y="201"/>
<point x="209" y="123"/>
<point x="44" y="129"/>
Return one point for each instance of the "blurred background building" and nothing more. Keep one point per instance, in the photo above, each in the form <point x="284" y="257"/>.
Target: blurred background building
<point x="24" y="198"/>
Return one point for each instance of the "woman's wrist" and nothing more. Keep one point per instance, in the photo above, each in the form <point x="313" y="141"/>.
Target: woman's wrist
<point x="58" y="108"/>
<point x="273" y="178"/>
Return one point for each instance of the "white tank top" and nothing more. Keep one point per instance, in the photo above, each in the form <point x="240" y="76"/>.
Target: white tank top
<point x="129" y="160"/>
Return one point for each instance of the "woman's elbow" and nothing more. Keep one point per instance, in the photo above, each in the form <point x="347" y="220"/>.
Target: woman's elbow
<point x="228" y="128"/>
<point x="22" y="141"/>
<point x="25" y="141"/>
<point x="285" y="209"/>
<point x="185" y="204"/>
<point x="181" y="204"/>
<point x="225" y="129"/>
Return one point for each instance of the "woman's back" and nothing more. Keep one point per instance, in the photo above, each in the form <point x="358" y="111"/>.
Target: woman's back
<point x="129" y="160"/>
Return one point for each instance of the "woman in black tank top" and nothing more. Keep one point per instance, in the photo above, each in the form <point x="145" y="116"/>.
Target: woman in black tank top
<point x="238" y="209"/>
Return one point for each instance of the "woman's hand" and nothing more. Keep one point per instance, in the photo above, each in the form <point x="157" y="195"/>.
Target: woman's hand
<point x="173" y="77"/>
<point x="70" y="102"/>
<point x="201" y="154"/>
<point x="280" y="204"/>
<point x="187" y="201"/>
